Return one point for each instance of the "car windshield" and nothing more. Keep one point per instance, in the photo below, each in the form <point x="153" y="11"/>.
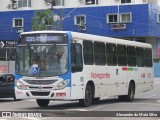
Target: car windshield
<point x="42" y="60"/>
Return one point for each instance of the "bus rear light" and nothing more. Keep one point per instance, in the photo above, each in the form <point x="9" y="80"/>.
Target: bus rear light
<point x="60" y="94"/>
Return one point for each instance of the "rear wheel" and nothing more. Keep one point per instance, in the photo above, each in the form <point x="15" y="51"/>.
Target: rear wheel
<point x="42" y="102"/>
<point x="96" y="99"/>
<point x="131" y="93"/>
<point x="88" y="97"/>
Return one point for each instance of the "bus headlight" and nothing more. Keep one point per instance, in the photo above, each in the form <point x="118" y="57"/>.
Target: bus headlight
<point x="20" y="85"/>
<point x="62" y="84"/>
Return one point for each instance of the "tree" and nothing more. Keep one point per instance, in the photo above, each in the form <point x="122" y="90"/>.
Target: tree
<point x="41" y="19"/>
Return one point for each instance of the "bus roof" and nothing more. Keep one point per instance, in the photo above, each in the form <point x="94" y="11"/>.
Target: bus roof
<point x="84" y="36"/>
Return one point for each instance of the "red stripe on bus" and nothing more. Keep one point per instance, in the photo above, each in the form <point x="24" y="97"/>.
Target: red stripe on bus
<point x="124" y="68"/>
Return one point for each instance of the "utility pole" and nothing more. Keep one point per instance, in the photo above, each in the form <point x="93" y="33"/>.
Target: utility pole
<point x="60" y="20"/>
<point x="52" y="2"/>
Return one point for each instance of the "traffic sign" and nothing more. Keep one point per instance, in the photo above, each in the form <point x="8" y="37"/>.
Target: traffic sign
<point x="8" y="43"/>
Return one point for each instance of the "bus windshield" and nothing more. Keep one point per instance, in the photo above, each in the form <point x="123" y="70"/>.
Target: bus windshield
<point x="43" y="60"/>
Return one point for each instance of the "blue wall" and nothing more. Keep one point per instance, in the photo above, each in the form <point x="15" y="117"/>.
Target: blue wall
<point x="154" y="27"/>
<point x="96" y="21"/>
<point x="7" y="32"/>
<point x="144" y="21"/>
<point x="156" y="69"/>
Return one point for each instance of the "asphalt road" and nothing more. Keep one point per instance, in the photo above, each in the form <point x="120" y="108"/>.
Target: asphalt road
<point x="146" y="105"/>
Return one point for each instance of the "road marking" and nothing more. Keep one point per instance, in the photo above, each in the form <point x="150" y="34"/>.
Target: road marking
<point x="31" y="118"/>
<point x="76" y="109"/>
<point x="102" y="106"/>
<point x="158" y="100"/>
<point x="150" y="96"/>
<point x="97" y="108"/>
<point x="142" y="103"/>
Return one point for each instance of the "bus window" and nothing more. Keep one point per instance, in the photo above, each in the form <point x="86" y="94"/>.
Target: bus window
<point x="121" y="55"/>
<point x="88" y="52"/>
<point x="77" y="64"/>
<point x="148" y="57"/>
<point x="140" y="57"/>
<point x="111" y="54"/>
<point x="99" y="53"/>
<point x="131" y="54"/>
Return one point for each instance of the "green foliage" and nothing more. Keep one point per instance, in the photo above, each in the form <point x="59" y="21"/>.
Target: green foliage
<point x="41" y="18"/>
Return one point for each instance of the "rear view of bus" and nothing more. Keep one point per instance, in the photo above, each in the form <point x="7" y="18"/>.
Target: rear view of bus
<point x="42" y="71"/>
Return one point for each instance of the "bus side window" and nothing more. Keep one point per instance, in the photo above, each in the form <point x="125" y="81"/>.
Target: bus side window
<point x="140" y="57"/>
<point x="122" y="55"/>
<point x="76" y="51"/>
<point x="111" y="54"/>
<point x="148" y="57"/>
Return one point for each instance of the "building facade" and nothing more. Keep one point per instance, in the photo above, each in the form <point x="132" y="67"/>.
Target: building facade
<point x="137" y="20"/>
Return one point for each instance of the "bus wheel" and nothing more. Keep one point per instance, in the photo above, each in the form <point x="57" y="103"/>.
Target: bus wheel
<point x="96" y="99"/>
<point x="130" y="96"/>
<point x="42" y="102"/>
<point x="88" y="97"/>
<point x="131" y="92"/>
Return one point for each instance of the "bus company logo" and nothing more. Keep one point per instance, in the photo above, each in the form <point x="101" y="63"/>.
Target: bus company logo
<point x="40" y="87"/>
<point x="100" y="75"/>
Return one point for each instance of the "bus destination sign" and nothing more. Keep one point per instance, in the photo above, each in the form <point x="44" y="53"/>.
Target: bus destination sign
<point x="43" y="38"/>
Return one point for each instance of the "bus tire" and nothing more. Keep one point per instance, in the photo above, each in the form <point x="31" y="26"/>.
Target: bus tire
<point x="122" y="97"/>
<point x="42" y="102"/>
<point x="96" y="99"/>
<point x="88" y="97"/>
<point x="130" y="96"/>
<point x="131" y="92"/>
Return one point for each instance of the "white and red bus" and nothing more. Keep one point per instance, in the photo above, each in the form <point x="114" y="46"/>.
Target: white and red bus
<point x="64" y="65"/>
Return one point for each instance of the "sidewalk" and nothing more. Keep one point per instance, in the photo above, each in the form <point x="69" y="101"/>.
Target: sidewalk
<point x="157" y="79"/>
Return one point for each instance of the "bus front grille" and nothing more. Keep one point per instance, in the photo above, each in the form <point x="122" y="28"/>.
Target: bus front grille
<point x="40" y="93"/>
<point x="40" y="82"/>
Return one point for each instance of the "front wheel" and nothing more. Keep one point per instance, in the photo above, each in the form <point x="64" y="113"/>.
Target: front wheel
<point x="42" y="102"/>
<point x="88" y="97"/>
<point x="96" y="99"/>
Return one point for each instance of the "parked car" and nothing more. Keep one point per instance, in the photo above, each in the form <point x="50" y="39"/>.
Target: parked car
<point x="7" y="85"/>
